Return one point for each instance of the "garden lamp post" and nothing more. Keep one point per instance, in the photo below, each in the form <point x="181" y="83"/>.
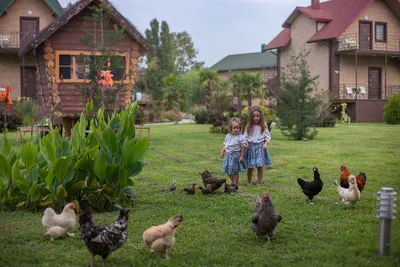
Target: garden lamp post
<point x="386" y="211"/>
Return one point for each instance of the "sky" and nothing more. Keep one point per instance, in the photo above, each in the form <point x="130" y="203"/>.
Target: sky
<point x="218" y="27"/>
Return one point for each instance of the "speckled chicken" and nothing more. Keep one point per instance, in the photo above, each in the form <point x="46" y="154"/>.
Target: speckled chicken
<point x="208" y="178"/>
<point x="102" y="240"/>
<point x="162" y="237"/>
<point x="265" y="218"/>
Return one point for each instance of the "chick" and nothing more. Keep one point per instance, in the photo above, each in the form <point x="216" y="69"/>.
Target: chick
<point x="162" y="237"/>
<point x="230" y="188"/>
<point x="172" y="187"/>
<point x="207" y="190"/>
<point x="55" y="232"/>
<point x="190" y="190"/>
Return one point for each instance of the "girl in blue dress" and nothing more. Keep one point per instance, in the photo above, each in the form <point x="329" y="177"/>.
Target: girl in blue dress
<point x="257" y="139"/>
<point x="233" y="151"/>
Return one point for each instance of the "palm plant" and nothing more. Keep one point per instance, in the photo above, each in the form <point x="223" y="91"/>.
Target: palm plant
<point x="210" y="80"/>
<point x="175" y="90"/>
<point x="247" y="84"/>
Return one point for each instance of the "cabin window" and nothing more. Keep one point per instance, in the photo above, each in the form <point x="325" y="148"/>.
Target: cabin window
<point x="380" y="32"/>
<point x="75" y="66"/>
<point x="65" y="66"/>
<point x="82" y="67"/>
<point x="117" y="64"/>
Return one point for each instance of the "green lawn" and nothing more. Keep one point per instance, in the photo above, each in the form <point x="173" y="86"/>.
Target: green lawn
<point x="216" y="229"/>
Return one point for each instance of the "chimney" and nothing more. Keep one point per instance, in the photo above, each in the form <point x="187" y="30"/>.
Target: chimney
<point x="315" y="4"/>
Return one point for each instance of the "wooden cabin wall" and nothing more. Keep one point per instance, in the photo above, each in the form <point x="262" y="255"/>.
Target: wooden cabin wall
<point x="67" y="38"/>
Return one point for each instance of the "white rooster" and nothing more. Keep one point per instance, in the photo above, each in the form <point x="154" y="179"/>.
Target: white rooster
<point x="66" y="220"/>
<point x="350" y="195"/>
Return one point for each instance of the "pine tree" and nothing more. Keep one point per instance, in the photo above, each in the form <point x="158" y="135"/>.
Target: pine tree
<point x="297" y="106"/>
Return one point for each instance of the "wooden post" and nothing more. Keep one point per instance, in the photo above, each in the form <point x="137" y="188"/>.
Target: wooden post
<point x="356" y="69"/>
<point x="385" y="72"/>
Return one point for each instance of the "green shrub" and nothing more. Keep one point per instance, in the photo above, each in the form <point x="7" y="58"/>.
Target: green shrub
<point x="202" y="117"/>
<point x="28" y="110"/>
<point x="392" y="110"/>
<point x="97" y="167"/>
<point x="170" y="115"/>
<point x="13" y="121"/>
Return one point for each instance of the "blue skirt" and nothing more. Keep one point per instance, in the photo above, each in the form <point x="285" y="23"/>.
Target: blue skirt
<point x="255" y="156"/>
<point x="232" y="164"/>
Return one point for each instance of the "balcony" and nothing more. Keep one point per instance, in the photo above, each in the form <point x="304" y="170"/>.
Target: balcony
<point x="350" y="43"/>
<point x="9" y="40"/>
<point x="349" y="92"/>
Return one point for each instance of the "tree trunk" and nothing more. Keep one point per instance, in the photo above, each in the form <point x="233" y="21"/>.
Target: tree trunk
<point x="208" y="98"/>
<point x="176" y="111"/>
<point x="249" y="102"/>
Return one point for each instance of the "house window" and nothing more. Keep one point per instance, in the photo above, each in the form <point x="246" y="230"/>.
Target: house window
<point x="75" y="66"/>
<point x="65" y="67"/>
<point x="380" y="31"/>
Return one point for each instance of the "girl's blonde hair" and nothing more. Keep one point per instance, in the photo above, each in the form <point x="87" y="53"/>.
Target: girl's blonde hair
<point x="250" y="123"/>
<point x="230" y="124"/>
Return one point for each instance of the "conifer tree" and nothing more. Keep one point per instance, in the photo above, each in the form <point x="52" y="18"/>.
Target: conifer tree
<point x="297" y="104"/>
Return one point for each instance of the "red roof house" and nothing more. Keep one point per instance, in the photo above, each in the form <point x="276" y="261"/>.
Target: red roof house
<point x="354" y="48"/>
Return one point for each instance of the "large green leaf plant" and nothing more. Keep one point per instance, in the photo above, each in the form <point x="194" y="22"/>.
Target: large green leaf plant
<point x="96" y="165"/>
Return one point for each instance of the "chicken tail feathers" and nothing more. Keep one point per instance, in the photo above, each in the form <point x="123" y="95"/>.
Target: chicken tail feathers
<point x="301" y="182"/>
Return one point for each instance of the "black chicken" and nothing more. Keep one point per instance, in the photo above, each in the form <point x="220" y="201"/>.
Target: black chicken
<point x="311" y="189"/>
<point x="102" y="240"/>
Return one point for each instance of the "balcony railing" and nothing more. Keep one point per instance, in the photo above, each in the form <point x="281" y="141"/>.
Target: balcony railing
<point x="350" y="92"/>
<point x="352" y="42"/>
<point x="9" y="40"/>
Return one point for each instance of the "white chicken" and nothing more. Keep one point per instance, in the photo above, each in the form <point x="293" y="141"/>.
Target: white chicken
<point x="56" y="232"/>
<point x="66" y="220"/>
<point x="350" y="195"/>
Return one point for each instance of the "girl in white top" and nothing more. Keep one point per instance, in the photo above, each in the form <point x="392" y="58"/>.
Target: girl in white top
<point x="257" y="139"/>
<point x="234" y="149"/>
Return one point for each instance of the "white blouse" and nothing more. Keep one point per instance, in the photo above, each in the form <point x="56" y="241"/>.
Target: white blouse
<point x="234" y="143"/>
<point x="257" y="136"/>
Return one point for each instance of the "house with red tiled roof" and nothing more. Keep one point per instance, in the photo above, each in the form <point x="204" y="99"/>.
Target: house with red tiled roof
<point x="354" y="48"/>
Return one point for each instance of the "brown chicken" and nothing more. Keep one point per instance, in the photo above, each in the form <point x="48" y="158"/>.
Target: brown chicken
<point x="208" y="178"/>
<point x="162" y="237"/>
<point x="344" y="178"/>
<point x="207" y="190"/>
<point x="265" y="218"/>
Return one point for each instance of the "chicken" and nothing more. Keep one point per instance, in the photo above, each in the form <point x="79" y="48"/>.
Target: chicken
<point x="172" y="187"/>
<point x="162" y="237"/>
<point x="208" y="178"/>
<point x="311" y="189"/>
<point x="190" y="190"/>
<point x="350" y="195"/>
<point x="66" y="220"/>
<point x="361" y="178"/>
<point x="102" y="240"/>
<point x="344" y="177"/>
<point x="56" y="232"/>
<point x="207" y="190"/>
<point x="265" y="218"/>
<point x="229" y="188"/>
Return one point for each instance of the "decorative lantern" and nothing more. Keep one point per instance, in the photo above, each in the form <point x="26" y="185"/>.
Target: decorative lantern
<point x="386" y="211"/>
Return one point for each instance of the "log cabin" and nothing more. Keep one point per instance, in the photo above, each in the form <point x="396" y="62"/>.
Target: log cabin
<point x="59" y="50"/>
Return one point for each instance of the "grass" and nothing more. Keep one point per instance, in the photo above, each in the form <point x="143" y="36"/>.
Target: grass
<point x="215" y="230"/>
